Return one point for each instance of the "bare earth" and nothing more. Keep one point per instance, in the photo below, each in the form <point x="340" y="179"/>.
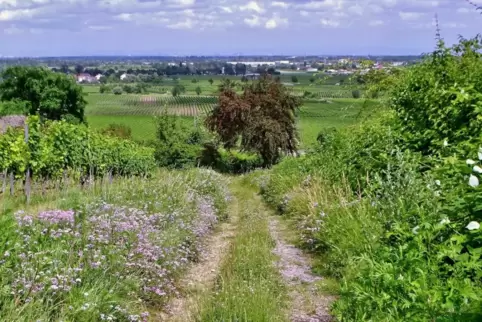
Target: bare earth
<point x="200" y="278"/>
<point x="306" y="304"/>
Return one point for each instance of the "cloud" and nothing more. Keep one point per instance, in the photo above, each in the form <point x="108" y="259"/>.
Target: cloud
<point x="275" y="22"/>
<point x="253" y="21"/>
<point x="329" y="22"/>
<point x="280" y="4"/>
<point x="186" y="24"/>
<point x="410" y="15"/>
<point x="252" y="6"/>
<point x="375" y="23"/>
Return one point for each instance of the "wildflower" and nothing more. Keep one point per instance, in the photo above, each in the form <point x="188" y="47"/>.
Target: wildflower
<point x="446" y="143"/>
<point x="415" y="230"/>
<point x="473" y="225"/>
<point x="437" y="182"/>
<point x="6" y="254"/>
<point x="473" y="181"/>
<point x="479" y="155"/>
<point x="470" y="162"/>
<point x="477" y="169"/>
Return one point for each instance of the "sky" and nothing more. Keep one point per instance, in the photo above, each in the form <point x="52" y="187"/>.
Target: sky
<point x="231" y="27"/>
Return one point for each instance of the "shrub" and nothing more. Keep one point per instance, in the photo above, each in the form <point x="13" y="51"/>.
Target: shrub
<point x="294" y="79"/>
<point x="356" y="93"/>
<point x="438" y="100"/>
<point x="118" y="130"/>
<point x="117" y="90"/>
<point x="228" y="161"/>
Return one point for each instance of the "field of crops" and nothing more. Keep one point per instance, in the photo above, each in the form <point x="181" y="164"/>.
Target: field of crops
<point x="109" y="104"/>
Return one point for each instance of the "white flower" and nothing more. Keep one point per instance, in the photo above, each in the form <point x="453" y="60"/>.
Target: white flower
<point x="78" y="280"/>
<point x="473" y="181"/>
<point x="446" y="143"/>
<point x="437" y="182"/>
<point x="480" y="155"/>
<point x="470" y="162"/>
<point x="477" y="169"/>
<point x="415" y="230"/>
<point x="54" y="287"/>
<point x="445" y="221"/>
<point x="473" y="225"/>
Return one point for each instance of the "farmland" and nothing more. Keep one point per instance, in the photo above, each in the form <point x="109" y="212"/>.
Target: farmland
<point x="329" y="105"/>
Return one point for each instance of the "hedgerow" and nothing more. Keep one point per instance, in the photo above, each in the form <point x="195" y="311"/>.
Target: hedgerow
<point x="57" y="146"/>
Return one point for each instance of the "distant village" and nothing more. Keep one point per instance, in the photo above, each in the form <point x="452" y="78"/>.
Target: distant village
<point x="342" y="66"/>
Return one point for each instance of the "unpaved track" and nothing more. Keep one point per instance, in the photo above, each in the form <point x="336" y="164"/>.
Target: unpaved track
<point x="200" y="278"/>
<point x="307" y="305"/>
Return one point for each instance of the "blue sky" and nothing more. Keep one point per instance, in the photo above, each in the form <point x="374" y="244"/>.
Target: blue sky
<point x="208" y="27"/>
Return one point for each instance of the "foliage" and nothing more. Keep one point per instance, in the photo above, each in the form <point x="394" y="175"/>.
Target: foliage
<point x="117" y="90"/>
<point x="262" y="118"/>
<point x="441" y="99"/>
<point x="118" y="130"/>
<point x="87" y="257"/>
<point x="13" y="107"/>
<point x="228" y="161"/>
<point x="177" y="90"/>
<point x="45" y="93"/>
<point x="56" y="146"/>
<point x="356" y="93"/>
<point x="177" y="146"/>
<point x="294" y="79"/>
<point x="198" y="90"/>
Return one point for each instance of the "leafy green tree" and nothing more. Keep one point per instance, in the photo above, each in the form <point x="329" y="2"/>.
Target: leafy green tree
<point x="79" y="69"/>
<point x="198" y="90"/>
<point x="211" y="81"/>
<point x="294" y="79"/>
<point x="177" y="90"/>
<point x="48" y="94"/>
<point x="261" y="120"/>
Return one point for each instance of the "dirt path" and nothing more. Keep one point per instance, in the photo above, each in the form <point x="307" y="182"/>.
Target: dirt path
<point x="200" y="278"/>
<point x="307" y="305"/>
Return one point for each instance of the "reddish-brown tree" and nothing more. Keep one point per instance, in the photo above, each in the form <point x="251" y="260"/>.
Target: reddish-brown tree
<point x="261" y="119"/>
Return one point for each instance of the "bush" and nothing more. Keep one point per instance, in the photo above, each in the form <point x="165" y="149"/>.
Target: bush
<point x="356" y="93"/>
<point x="117" y="90"/>
<point x="294" y="79"/>
<point x="118" y="130"/>
<point x="177" y="146"/>
<point x="228" y="161"/>
<point x="438" y="100"/>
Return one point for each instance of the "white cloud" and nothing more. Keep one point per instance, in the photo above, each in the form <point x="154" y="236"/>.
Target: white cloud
<point x="19" y="14"/>
<point x="320" y="5"/>
<point x="253" y="21"/>
<point x="275" y="22"/>
<point x="463" y="10"/>
<point x="186" y="24"/>
<point x="252" y="6"/>
<point x="406" y="15"/>
<point x="329" y="22"/>
<point x="375" y="23"/>
<point x="280" y="4"/>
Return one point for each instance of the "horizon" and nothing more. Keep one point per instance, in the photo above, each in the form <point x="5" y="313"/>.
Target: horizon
<point x="81" y="28"/>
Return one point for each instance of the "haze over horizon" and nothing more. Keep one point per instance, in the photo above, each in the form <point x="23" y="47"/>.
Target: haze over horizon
<point x="221" y="27"/>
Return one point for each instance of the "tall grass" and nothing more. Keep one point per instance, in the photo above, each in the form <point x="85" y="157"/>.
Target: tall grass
<point x="108" y="254"/>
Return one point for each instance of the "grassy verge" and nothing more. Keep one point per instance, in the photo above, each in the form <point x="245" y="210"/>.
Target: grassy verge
<point x="249" y="286"/>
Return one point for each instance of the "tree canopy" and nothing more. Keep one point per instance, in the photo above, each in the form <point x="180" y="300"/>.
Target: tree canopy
<point x="51" y="95"/>
<point x="261" y="119"/>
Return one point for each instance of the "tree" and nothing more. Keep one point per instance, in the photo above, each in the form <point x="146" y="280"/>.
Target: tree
<point x="48" y="94"/>
<point x="261" y="119"/>
<point x="312" y="80"/>
<point x="294" y="79"/>
<point x="79" y="69"/>
<point x="177" y="90"/>
<point x="211" y="81"/>
<point x="117" y="90"/>
<point x="198" y="90"/>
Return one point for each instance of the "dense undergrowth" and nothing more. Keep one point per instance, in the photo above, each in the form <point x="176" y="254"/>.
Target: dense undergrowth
<point x="113" y="256"/>
<point x="392" y="207"/>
